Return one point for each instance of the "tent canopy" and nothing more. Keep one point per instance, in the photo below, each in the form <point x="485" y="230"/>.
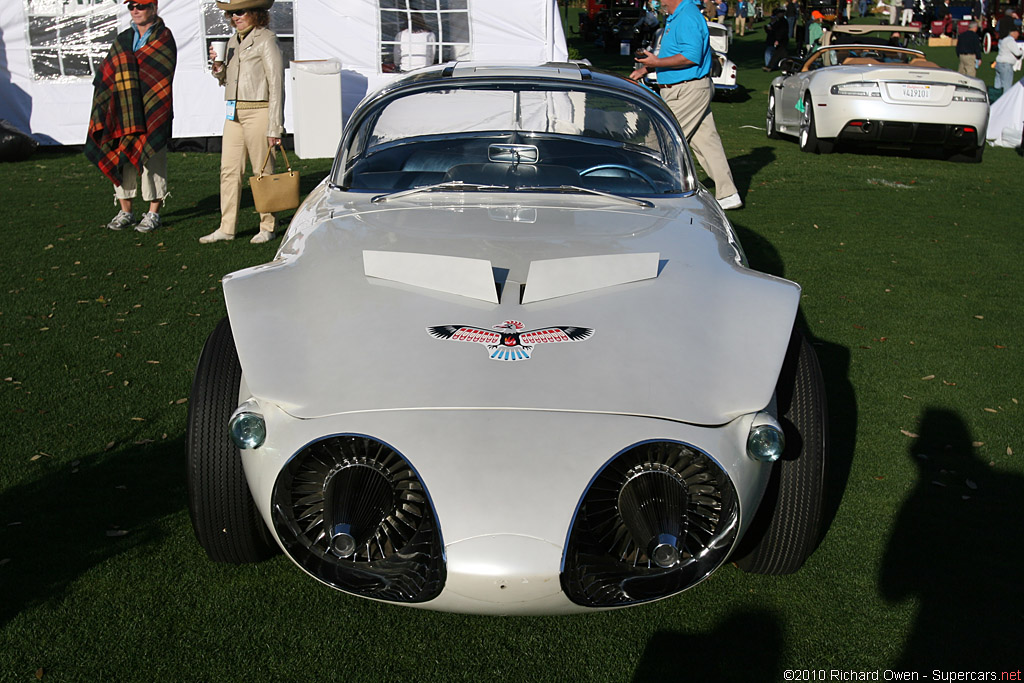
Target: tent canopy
<point x="49" y="50"/>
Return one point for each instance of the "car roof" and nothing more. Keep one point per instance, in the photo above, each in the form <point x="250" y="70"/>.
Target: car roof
<point x="574" y="71"/>
<point x="475" y="72"/>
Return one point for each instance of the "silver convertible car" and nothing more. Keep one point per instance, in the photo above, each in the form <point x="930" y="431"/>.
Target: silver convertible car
<point x="878" y="95"/>
<point x="509" y="359"/>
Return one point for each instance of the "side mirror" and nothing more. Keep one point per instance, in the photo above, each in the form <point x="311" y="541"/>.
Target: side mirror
<point x="789" y="66"/>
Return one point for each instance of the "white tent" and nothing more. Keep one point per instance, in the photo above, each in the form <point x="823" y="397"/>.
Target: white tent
<point x="49" y="50"/>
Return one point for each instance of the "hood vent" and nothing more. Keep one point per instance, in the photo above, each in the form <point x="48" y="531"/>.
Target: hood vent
<point x="476" y="278"/>
<point x="564" y="276"/>
<point x="467" y="277"/>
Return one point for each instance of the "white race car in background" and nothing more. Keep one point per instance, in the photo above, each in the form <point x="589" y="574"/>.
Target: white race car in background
<point x="875" y="94"/>
<point x="509" y="359"/>
<point x="723" y="69"/>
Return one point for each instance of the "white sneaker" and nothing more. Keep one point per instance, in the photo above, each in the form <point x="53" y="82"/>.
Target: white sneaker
<point x="733" y="201"/>
<point x="215" y="236"/>
<point x="150" y="222"/>
<point x="123" y="219"/>
<point x="261" y="237"/>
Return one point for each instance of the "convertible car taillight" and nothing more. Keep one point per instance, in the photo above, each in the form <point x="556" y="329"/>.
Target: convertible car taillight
<point x="352" y="512"/>
<point x="660" y="517"/>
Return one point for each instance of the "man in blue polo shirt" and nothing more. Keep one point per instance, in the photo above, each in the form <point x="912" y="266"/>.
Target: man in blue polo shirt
<point x="683" y="66"/>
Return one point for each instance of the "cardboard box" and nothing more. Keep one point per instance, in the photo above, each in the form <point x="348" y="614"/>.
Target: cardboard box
<point x="942" y="41"/>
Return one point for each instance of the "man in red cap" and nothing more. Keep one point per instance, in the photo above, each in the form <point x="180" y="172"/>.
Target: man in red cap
<point x="814" y="31"/>
<point x="130" y="123"/>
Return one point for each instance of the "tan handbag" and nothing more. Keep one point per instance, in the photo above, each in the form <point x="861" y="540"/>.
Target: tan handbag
<point x="275" y="191"/>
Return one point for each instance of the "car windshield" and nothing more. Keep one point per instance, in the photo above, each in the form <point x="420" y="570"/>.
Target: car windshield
<point x="515" y="137"/>
<point x="862" y="54"/>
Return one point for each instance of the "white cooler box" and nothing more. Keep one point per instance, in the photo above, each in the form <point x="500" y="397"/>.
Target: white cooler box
<point x="316" y="107"/>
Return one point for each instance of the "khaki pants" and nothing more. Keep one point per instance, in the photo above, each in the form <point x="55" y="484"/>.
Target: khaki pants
<point x="967" y="63"/>
<point x="691" y="103"/>
<point x="153" y="179"/>
<point x="246" y="137"/>
<point x="740" y="25"/>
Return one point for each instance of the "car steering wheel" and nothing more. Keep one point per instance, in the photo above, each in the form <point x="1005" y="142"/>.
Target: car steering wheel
<point x="632" y="172"/>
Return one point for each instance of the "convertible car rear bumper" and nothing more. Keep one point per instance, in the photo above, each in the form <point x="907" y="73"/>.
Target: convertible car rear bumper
<point x="948" y="135"/>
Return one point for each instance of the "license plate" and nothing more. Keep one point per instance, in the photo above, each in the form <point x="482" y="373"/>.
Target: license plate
<point x="916" y="92"/>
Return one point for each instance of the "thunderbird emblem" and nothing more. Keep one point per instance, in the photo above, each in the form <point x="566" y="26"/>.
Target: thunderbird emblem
<point x="506" y="341"/>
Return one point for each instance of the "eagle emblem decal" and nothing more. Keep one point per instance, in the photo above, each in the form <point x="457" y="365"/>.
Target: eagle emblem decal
<point x="507" y="341"/>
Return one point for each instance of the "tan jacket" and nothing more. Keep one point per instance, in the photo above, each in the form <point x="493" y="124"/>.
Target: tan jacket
<point x="255" y="72"/>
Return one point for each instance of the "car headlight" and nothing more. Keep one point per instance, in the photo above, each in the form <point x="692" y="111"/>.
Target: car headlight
<point x="858" y="89"/>
<point x="964" y="93"/>
<point x="247" y="427"/>
<point x="766" y="442"/>
<point x="352" y="512"/>
<point x="659" y="518"/>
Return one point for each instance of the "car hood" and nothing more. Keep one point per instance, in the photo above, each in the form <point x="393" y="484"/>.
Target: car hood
<point x="643" y="311"/>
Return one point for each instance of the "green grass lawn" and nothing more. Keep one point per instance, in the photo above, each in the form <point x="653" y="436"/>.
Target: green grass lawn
<point x="911" y="289"/>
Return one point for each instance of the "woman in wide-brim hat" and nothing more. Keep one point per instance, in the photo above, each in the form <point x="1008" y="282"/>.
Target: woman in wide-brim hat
<point x="252" y="74"/>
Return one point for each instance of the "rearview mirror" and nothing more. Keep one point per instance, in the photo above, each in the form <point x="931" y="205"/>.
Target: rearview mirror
<point x="513" y="154"/>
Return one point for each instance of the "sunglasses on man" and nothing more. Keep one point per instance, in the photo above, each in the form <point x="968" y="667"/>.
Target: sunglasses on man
<point x="139" y="5"/>
<point x="236" y="12"/>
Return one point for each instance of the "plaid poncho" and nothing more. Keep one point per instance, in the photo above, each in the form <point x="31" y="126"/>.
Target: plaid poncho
<point x="131" y="105"/>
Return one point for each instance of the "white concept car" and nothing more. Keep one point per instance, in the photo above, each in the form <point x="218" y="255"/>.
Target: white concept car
<point x="723" y="69"/>
<point x="509" y="359"/>
<point x="880" y="95"/>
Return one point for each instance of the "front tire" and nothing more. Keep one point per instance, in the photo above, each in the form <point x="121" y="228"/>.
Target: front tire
<point x="809" y="140"/>
<point x="788" y="524"/>
<point x="224" y="515"/>
<point x="769" y="119"/>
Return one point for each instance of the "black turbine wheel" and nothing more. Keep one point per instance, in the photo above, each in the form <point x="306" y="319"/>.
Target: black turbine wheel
<point x="659" y="518"/>
<point x="357" y="498"/>
<point x="352" y="512"/>
<point x="652" y="505"/>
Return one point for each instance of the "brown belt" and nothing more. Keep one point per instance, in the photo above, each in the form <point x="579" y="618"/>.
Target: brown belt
<point x="666" y="86"/>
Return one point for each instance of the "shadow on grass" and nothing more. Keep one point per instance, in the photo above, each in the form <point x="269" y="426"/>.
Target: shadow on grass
<point x="67" y="522"/>
<point x="713" y="656"/>
<point x="835" y="366"/>
<point x="209" y="206"/>
<point x="956" y="548"/>
<point x="916" y="152"/>
<point x="744" y="167"/>
<point x="737" y="96"/>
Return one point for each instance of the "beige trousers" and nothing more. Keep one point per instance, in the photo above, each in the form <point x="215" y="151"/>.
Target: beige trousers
<point x="967" y="63"/>
<point x="153" y="180"/>
<point x="691" y="103"/>
<point x="244" y="138"/>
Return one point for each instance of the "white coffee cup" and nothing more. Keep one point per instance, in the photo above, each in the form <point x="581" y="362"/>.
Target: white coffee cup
<point x="219" y="48"/>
